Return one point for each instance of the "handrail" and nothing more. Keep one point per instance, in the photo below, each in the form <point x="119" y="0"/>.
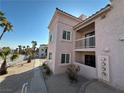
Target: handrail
<point x="85" y="38"/>
<point x="25" y="88"/>
<point x="87" y="42"/>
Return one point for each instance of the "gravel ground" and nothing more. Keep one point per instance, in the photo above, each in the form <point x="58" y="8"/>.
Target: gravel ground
<point x="15" y="78"/>
<point x="60" y="84"/>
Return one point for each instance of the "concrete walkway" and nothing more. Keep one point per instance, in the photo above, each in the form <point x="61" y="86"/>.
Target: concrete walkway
<point x="60" y="84"/>
<point x="37" y="84"/>
<point x="98" y="87"/>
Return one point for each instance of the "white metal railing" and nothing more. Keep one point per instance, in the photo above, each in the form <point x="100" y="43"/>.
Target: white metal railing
<point x="87" y="42"/>
<point x="81" y="62"/>
<point x="25" y="88"/>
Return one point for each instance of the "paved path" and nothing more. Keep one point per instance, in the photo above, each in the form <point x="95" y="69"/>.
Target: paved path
<point x="37" y="83"/>
<point x="60" y="84"/>
<point x="16" y="77"/>
<point x="98" y="87"/>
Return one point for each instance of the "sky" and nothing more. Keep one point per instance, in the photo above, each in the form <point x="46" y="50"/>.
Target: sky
<point x="30" y="18"/>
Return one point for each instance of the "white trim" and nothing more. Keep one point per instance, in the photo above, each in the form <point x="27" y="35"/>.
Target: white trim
<point x="50" y="56"/>
<point x="52" y="39"/>
<point x="85" y="38"/>
<point x="81" y="43"/>
<point x="63" y="40"/>
<point x="66" y="36"/>
<point x="65" y="59"/>
<point x="65" y="64"/>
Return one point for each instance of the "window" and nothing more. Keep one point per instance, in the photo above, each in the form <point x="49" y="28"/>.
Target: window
<point x="90" y="60"/>
<point x="50" y="56"/>
<point x="66" y="35"/>
<point x="50" y="37"/>
<point x="65" y="58"/>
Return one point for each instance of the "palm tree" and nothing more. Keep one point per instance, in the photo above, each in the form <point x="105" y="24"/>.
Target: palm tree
<point x="24" y="50"/>
<point x="5" y="24"/>
<point x="20" y="48"/>
<point x="28" y="46"/>
<point x="29" y="52"/>
<point x="16" y="50"/>
<point x="4" y="53"/>
<point x="34" y="44"/>
<point x="23" y="47"/>
<point x="2" y="16"/>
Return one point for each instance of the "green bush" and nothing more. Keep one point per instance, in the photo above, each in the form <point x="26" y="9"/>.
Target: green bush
<point x="46" y="70"/>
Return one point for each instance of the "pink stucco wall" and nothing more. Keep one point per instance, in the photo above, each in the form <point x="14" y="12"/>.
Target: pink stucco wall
<point x="108" y="32"/>
<point x="59" y="46"/>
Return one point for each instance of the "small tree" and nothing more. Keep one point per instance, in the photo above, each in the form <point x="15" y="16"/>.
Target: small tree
<point x="4" y="53"/>
<point x="46" y="70"/>
<point x="31" y="52"/>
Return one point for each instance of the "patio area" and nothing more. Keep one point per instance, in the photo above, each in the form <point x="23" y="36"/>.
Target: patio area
<point x="61" y="84"/>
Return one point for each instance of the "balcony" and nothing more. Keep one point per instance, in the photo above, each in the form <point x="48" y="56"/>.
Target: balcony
<point x="85" y="43"/>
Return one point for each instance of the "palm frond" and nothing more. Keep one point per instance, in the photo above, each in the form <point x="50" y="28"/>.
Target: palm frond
<point x="2" y="55"/>
<point x="4" y="21"/>
<point x="1" y="13"/>
<point x="6" y="51"/>
<point x="2" y="18"/>
<point x="14" y="56"/>
<point x="2" y="25"/>
<point x="9" y="26"/>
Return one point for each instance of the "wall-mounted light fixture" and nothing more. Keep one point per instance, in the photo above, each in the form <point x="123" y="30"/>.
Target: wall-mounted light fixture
<point x="121" y="38"/>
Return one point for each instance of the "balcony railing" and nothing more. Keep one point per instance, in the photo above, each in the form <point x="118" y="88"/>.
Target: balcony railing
<point x="87" y="42"/>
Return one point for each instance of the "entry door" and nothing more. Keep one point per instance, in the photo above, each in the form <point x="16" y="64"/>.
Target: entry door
<point x="90" y="60"/>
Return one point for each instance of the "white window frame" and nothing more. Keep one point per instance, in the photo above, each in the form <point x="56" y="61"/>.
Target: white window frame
<point x="65" y="59"/>
<point x="49" y="56"/>
<point x="66" y="35"/>
<point x="50" y="35"/>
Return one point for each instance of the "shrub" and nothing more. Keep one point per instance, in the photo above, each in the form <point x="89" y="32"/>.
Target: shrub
<point x="72" y="72"/>
<point x="46" y="70"/>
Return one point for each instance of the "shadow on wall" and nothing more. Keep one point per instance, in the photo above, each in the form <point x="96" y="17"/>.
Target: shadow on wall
<point x="14" y="82"/>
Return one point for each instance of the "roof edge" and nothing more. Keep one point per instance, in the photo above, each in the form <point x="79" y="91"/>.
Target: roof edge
<point x="106" y="8"/>
<point x="65" y="13"/>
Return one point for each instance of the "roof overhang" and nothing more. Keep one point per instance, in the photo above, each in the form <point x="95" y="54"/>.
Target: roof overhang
<point x="92" y="18"/>
<point x="58" y="11"/>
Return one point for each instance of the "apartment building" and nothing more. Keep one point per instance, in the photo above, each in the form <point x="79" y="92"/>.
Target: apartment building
<point x="42" y="51"/>
<point x="95" y="43"/>
<point x="61" y="40"/>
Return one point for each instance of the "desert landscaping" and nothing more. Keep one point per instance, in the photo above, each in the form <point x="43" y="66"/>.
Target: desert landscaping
<point x="16" y="77"/>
